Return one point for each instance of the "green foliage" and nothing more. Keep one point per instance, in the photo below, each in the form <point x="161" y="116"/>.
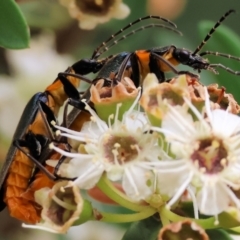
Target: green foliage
<point x="218" y="234"/>
<point x="46" y="14"/>
<point x="13" y="27"/>
<point x="146" y="229"/>
<point x="149" y="228"/>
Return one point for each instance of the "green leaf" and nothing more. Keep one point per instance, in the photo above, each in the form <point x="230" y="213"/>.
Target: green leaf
<point x="223" y="40"/>
<point x="218" y="234"/>
<point x="61" y="237"/>
<point x="13" y="27"/>
<point x="146" y="229"/>
<point x="234" y="231"/>
<point x="46" y="14"/>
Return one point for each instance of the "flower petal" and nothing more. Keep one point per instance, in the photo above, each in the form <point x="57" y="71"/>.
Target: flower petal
<point x="135" y="120"/>
<point x="212" y="199"/>
<point x="122" y="11"/>
<point x="87" y="172"/>
<point x="172" y="177"/>
<point x="115" y="173"/>
<point x="136" y="183"/>
<point x="225" y="123"/>
<point x="178" y="121"/>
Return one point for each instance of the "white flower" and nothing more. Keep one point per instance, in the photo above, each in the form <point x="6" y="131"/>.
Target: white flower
<point x="90" y="13"/>
<point x="207" y="157"/>
<point x="122" y="149"/>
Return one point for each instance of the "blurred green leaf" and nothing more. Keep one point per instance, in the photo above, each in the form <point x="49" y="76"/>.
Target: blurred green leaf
<point x="46" y="14"/>
<point x="146" y="229"/>
<point x="226" y="41"/>
<point x="218" y="234"/>
<point x="61" y="237"/>
<point x="13" y="27"/>
<point x="234" y="231"/>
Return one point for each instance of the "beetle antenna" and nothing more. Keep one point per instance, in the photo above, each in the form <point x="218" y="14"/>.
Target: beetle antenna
<point x="106" y="48"/>
<point x="220" y="55"/>
<point x="96" y="53"/>
<point x="219" y="65"/>
<point x="208" y="36"/>
<point x="212" y="66"/>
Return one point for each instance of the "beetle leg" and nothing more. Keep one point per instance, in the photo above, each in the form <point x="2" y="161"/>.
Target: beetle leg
<point x="63" y="74"/>
<point x="171" y="66"/>
<point x="189" y="73"/>
<point x="69" y="89"/>
<point x="19" y="144"/>
<point x="154" y="67"/>
<point x="47" y="118"/>
<point x="58" y="177"/>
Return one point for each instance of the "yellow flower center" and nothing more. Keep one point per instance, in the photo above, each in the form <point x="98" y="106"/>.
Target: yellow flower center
<point x="210" y="155"/>
<point x="120" y="148"/>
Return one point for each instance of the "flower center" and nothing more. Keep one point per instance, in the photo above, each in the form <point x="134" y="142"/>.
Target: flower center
<point x="210" y="155"/>
<point x="120" y="149"/>
<point x="62" y="207"/>
<point x="94" y="7"/>
<point x="152" y="101"/>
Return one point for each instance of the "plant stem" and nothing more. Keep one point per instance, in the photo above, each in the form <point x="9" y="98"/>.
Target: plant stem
<point x="123" y="218"/>
<point x="117" y="196"/>
<point x="165" y="221"/>
<point x="207" y="223"/>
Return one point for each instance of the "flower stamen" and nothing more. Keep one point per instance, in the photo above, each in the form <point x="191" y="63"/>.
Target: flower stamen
<point x="68" y="154"/>
<point x="194" y="200"/>
<point x="63" y="204"/>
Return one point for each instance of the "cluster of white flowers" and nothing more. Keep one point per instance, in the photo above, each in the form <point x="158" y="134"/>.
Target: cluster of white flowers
<point x="147" y="150"/>
<point x="191" y="151"/>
